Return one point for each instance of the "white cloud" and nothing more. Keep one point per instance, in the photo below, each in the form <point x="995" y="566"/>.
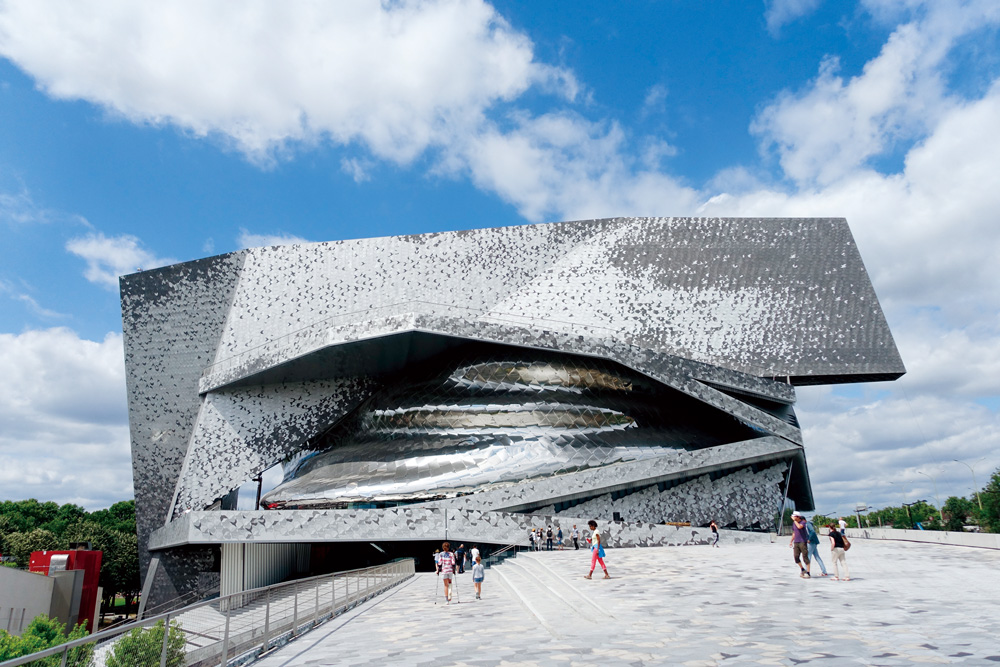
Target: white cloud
<point x="109" y="257"/>
<point x="437" y="75"/>
<point x="18" y="208"/>
<point x="872" y="451"/>
<point x="929" y="238"/>
<point x="397" y="76"/>
<point x="249" y="240"/>
<point x="63" y="422"/>
<point x="782" y="12"/>
<point x="358" y="169"/>
<point x="36" y="308"/>
<point x="833" y="127"/>
<point x="562" y="165"/>
<point x="655" y="101"/>
<point x="927" y="233"/>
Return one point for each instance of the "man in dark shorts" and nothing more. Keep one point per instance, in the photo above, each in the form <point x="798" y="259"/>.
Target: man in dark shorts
<point x="800" y="543"/>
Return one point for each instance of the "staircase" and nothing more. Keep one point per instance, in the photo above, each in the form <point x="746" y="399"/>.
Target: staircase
<point x="550" y="585"/>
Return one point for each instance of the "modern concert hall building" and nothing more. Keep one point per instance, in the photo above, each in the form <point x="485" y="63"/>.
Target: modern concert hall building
<point x="472" y="385"/>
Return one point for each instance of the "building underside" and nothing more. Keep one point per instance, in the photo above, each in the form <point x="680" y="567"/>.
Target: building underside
<point x="472" y="385"/>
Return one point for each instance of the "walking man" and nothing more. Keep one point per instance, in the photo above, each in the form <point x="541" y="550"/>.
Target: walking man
<point x="800" y="543"/>
<point x="576" y="537"/>
<point x="814" y="546"/>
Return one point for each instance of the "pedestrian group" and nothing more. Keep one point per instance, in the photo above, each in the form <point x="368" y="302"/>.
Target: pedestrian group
<point x="805" y="547"/>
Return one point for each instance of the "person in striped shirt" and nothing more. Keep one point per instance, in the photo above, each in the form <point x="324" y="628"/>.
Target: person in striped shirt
<point x="446" y="566"/>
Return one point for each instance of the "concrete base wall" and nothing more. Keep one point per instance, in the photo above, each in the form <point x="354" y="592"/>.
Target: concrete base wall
<point x="982" y="540"/>
<point x="22" y="597"/>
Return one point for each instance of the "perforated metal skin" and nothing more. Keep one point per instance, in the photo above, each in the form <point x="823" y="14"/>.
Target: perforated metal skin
<point x="352" y="361"/>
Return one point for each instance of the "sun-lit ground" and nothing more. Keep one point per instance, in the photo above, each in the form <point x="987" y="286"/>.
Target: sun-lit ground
<point x="906" y="603"/>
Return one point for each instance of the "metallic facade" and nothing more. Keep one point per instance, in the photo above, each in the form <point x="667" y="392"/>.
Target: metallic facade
<point x="639" y="365"/>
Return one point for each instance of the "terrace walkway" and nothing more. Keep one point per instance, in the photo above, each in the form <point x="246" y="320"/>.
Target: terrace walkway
<point x="740" y="604"/>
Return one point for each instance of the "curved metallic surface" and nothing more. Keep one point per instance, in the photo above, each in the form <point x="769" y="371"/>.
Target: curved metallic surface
<point x="464" y="427"/>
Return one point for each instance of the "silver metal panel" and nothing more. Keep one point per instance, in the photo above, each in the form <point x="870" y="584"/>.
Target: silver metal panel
<point x="226" y="358"/>
<point x="310" y="526"/>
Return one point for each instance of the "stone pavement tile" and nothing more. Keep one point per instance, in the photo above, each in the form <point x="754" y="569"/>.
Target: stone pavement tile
<point x="907" y="604"/>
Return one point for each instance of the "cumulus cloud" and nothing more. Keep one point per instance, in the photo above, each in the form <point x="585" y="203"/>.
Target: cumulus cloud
<point x="406" y="77"/>
<point x="929" y="239"/>
<point x="781" y="12"/>
<point x="109" y="257"/>
<point x="63" y="422"/>
<point x="249" y="240"/>
<point x="396" y="76"/>
<point x="562" y="165"/>
<point x="835" y="126"/>
<point x="899" y="446"/>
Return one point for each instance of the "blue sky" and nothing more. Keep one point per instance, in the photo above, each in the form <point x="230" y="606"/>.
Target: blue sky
<point x="137" y="135"/>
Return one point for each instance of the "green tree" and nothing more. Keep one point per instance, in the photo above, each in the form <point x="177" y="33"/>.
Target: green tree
<point x="21" y="545"/>
<point x="956" y="510"/>
<point x="111" y="530"/>
<point x="26" y="515"/>
<point x="142" y="647"/>
<point x="42" y="633"/>
<point x="120" y="567"/>
<point x="120" y="516"/>
<point x="989" y="517"/>
<point x="66" y="514"/>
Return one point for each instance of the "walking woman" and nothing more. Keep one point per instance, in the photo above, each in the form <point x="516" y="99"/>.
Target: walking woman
<point x="446" y="568"/>
<point x="596" y="551"/>
<point x="837" y="551"/>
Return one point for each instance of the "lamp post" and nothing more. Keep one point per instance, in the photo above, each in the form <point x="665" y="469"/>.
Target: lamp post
<point x="902" y="500"/>
<point x="936" y="496"/>
<point x="975" y="485"/>
<point x="907" y="506"/>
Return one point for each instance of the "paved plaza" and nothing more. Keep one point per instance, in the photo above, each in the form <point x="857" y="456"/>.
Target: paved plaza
<point x="907" y="603"/>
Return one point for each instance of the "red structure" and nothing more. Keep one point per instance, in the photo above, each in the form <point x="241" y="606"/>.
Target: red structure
<point x="47" y="562"/>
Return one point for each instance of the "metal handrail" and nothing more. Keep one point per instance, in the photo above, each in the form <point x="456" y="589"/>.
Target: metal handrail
<point x="496" y="557"/>
<point x="399" y="309"/>
<point x="377" y="578"/>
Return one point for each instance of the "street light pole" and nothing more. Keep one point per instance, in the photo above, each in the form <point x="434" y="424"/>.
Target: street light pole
<point x="936" y="496"/>
<point x="902" y="502"/>
<point x="975" y="485"/>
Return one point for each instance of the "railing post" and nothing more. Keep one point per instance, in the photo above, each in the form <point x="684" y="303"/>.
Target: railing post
<point x="65" y="653"/>
<point x="316" y="611"/>
<point x="333" y="595"/>
<point x="267" y="619"/>
<point x="295" y="611"/>
<point x="166" y="638"/>
<point x="225" y="638"/>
